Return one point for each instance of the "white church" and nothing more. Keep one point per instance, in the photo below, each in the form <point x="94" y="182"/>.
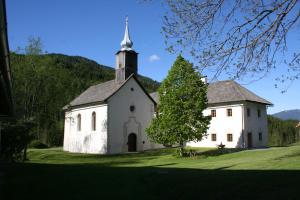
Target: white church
<point x="111" y="117"/>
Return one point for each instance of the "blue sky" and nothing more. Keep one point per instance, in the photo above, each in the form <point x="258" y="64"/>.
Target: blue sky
<point x="95" y="28"/>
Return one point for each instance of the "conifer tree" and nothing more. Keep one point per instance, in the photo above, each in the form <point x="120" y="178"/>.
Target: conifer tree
<point x="179" y="117"/>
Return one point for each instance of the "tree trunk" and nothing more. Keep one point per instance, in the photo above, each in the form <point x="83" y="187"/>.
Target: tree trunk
<point x="181" y="150"/>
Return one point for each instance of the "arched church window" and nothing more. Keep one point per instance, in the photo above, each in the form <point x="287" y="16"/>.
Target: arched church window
<point x="94" y="121"/>
<point x="79" y="122"/>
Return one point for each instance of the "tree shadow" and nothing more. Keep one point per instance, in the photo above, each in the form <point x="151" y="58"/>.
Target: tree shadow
<point x="213" y="152"/>
<point x="96" y="181"/>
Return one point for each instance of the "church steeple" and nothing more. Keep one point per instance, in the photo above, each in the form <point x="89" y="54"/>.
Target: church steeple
<point x="126" y="43"/>
<point x="126" y="58"/>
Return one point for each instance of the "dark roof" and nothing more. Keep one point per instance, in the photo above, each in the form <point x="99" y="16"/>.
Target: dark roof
<point x="101" y="92"/>
<point x="227" y="91"/>
<point x="95" y="93"/>
<point x="6" y="101"/>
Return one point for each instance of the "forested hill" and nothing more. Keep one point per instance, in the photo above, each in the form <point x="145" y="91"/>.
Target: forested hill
<point x="43" y="84"/>
<point x="288" y="114"/>
<point x="96" y="72"/>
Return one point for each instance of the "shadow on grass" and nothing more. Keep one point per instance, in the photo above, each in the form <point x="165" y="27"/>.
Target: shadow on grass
<point x="213" y="152"/>
<point x="97" y="181"/>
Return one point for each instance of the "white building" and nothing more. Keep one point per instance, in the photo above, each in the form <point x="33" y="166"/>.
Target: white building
<point x="239" y="117"/>
<point x="111" y="117"/>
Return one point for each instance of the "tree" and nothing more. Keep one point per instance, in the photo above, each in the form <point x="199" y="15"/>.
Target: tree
<point x="282" y="132"/>
<point x="34" y="46"/>
<point x="179" y="117"/>
<point x="240" y="38"/>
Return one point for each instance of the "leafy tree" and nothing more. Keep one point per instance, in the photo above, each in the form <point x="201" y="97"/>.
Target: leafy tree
<point x="34" y="46"/>
<point x="179" y="117"/>
<point x="239" y="38"/>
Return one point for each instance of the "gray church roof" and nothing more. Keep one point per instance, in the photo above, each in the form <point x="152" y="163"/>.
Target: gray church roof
<point x="217" y="92"/>
<point x="95" y="93"/>
<point x="226" y="91"/>
<point x="101" y="92"/>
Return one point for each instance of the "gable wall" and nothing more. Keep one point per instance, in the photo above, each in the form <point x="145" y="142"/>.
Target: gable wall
<point x="255" y="124"/>
<point x="122" y="121"/>
<point x="86" y="140"/>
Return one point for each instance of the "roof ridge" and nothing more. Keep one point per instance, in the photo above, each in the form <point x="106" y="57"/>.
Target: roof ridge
<point x="238" y="87"/>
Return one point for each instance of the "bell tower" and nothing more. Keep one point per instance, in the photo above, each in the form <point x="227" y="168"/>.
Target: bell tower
<point x="126" y="58"/>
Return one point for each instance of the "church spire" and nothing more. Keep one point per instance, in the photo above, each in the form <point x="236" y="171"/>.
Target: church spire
<point x="126" y="58"/>
<point x="126" y="44"/>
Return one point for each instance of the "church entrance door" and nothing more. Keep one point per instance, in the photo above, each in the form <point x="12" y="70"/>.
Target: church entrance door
<point x="132" y="142"/>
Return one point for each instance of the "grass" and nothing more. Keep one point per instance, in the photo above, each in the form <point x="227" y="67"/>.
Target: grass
<point x="272" y="173"/>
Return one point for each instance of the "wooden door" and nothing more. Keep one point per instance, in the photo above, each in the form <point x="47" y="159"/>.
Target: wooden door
<point x="131" y="142"/>
<point x="249" y="140"/>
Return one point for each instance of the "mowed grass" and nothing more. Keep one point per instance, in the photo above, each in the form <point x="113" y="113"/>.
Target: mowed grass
<point x="272" y="173"/>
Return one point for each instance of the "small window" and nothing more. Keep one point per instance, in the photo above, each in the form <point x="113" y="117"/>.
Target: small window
<point x="213" y="113"/>
<point x="248" y="112"/>
<point x="260" y="136"/>
<point x="258" y="113"/>
<point x="132" y="108"/>
<point x="132" y="89"/>
<point x="213" y="137"/>
<point x="94" y="121"/>
<point x="229" y="137"/>
<point x="78" y="122"/>
<point x="229" y="112"/>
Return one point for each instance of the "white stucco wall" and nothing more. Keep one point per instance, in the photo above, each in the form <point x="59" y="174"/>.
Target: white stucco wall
<point x="239" y="125"/>
<point x="255" y="124"/>
<point x="223" y="125"/>
<point x="122" y="122"/>
<point x="86" y="140"/>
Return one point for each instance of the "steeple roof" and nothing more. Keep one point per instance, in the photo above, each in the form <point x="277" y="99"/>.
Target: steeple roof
<point x="126" y="43"/>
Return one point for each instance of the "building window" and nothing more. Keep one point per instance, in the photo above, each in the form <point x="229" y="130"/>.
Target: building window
<point x="248" y="112"/>
<point x="229" y="112"/>
<point x="78" y="122"/>
<point x="260" y="136"/>
<point x="94" y="121"/>
<point x="132" y="89"/>
<point x="132" y="108"/>
<point x="213" y="137"/>
<point x="213" y="113"/>
<point x="258" y="113"/>
<point x="229" y="137"/>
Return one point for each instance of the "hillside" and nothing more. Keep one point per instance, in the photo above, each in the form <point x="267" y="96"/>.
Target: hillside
<point x="288" y="114"/>
<point x="101" y="73"/>
<point x="249" y="174"/>
<point x="43" y="84"/>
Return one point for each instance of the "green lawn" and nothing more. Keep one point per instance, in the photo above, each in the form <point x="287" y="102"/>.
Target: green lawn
<point x="272" y="173"/>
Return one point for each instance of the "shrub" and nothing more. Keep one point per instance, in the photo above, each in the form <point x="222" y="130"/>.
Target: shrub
<point x="37" y="145"/>
<point x="14" y="139"/>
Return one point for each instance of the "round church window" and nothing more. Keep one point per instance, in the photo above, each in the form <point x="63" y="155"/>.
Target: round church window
<point x="132" y="108"/>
